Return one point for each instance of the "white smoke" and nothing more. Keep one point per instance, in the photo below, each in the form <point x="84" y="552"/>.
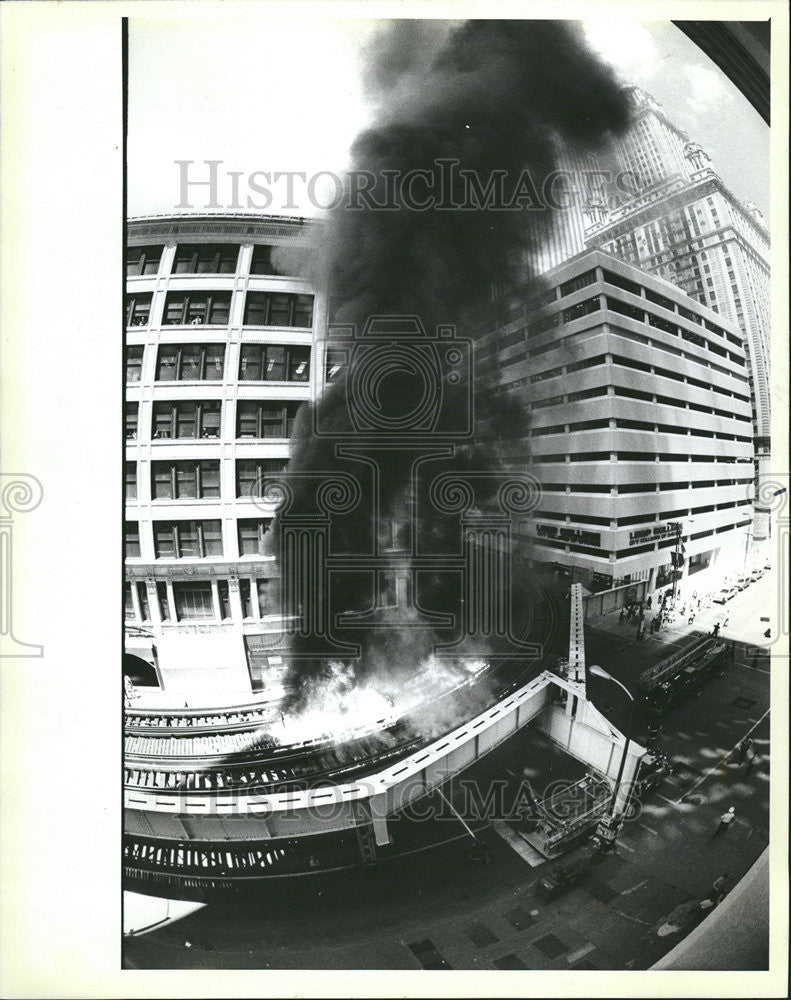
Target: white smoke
<point x="338" y="707"/>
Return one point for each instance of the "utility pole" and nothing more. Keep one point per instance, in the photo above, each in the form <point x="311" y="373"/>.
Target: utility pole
<point x="610" y="824"/>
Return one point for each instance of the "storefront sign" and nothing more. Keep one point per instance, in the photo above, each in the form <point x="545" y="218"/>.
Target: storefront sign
<point x="655" y="533"/>
<point x="569" y="534"/>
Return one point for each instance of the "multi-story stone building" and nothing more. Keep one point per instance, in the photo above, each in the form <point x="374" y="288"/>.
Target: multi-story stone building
<point x="220" y="353"/>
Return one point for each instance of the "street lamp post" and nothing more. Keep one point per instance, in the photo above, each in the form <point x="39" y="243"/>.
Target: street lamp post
<point x="609" y="826"/>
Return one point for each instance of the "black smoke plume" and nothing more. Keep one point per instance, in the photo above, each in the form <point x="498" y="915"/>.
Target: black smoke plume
<point x="492" y="96"/>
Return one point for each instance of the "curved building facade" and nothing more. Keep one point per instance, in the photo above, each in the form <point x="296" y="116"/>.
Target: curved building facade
<point x="222" y="341"/>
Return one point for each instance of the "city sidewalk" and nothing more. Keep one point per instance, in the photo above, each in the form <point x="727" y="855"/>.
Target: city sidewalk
<point x="744" y="618"/>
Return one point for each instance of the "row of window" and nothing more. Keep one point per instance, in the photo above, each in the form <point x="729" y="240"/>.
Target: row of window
<point x="636" y="456"/>
<point x="603" y="391"/>
<point x="196" y="539"/>
<point x="644" y="518"/>
<point x="192" y="419"/>
<point x="624" y="362"/>
<point x="201" y="419"/>
<point x="589" y="277"/>
<point x="200" y="480"/>
<point x="213" y="308"/>
<point x="199" y="258"/>
<point x="193" y="600"/>
<point x="206" y="363"/>
<point x="637" y="338"/>
<point x="638" y="425"/>
<point x="615" y="489"/>
<point x="595" y="304"/>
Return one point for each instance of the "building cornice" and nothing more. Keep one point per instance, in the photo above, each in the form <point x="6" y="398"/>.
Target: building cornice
<point x="672" y="199"/>
<point x="239" y="225"/>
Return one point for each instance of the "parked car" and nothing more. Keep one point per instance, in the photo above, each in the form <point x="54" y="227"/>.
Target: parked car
<point x="724" y="595"/>
<point x="756" y="574"/>
<point x="742" y="582"/>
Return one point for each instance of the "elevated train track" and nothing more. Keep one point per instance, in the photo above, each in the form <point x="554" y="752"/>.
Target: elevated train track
<point x="215" y="796"/>
<point x="289" y="772"/>
<point x="239" y="718"/>
<point x="250" y="757"/>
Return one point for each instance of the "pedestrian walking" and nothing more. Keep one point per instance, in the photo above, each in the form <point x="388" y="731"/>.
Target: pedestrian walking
<point x="621" y="616"/>
<point x="725" y="821"/>
<point x="648" y="602"/>
<point x="744" y="748"/>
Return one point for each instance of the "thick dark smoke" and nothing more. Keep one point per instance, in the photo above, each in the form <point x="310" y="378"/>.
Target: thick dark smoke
<point x="495" y="96"/>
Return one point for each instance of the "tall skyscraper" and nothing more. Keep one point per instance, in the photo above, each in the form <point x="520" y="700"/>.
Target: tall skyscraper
<point x="683" y="224"/>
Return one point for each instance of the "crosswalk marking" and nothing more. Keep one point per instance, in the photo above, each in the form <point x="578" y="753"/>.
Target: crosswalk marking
<point x="649" y="829"/>
<point x="714" y="767"/>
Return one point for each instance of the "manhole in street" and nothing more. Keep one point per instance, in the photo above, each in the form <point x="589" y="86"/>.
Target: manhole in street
<point x="744" y="703"/>
<point x="696" y="798"/>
